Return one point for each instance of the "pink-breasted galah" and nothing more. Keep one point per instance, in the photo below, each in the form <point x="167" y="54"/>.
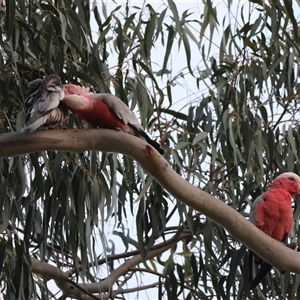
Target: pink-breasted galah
<point x="43" y="106"/>
<point x="272" y="213"/>
<point x="104" y="111"/>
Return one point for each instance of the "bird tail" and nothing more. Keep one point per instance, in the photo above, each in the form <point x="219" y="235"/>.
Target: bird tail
<point x="264" y="268"/>
<point x="143" y="134"/>
<point x="263" y="271"/>
<point x="153" y="144"/>
<point x="33" y="125"/>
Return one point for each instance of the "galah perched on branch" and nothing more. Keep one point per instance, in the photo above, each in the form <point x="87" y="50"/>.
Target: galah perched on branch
<point x="272" y="213"/>
<point x="104" y="111"/>
<point x="43" y="105"/>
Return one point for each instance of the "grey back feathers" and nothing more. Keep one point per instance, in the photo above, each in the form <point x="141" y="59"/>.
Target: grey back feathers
<point x="120" y="109"/>
<point x="43" y="105"/>
<point x="123" y="112"/>
<point x="252" y="216"/>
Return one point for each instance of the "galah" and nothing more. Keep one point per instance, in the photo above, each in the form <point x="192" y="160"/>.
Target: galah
<point x="43" y="106"/>
<point x="104" y="111"/>
<point x="272" y="213"/>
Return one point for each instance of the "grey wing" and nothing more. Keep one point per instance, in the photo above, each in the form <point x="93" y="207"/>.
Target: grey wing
<point x="51" y="94"/>
<point x="32" y="96"/>
<point x="42" y="97"/>
<point x="252" y="267"/>
<point x="252" y="216"/>
<point x="120" y="109"/>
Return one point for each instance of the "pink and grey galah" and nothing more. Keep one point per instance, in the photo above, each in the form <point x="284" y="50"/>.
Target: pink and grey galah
<point x="272" y="213"/>
<point x="43" y="106"/>
<point x="104" y="111"/>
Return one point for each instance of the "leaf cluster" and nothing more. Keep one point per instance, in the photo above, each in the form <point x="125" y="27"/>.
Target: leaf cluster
<point x="237" y="133"/>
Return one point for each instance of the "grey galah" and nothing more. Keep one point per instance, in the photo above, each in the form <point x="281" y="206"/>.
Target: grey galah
<point x="43" y="106"/>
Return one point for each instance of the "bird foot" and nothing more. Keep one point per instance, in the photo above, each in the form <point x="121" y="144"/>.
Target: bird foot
<point x="294" y="244"/>
<point x="297" y="242"/>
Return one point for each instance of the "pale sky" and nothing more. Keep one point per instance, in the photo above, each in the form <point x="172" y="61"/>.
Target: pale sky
<point x="185" y="93"/>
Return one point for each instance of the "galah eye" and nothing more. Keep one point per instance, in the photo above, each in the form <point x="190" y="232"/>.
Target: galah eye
<point x="291" y="178"/>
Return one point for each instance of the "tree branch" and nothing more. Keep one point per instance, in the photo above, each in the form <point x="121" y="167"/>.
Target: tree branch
<point x="78" y="290"/>
<point x="106" y="284"/>
<point x="102" y="261"/>
<point x="275" y="253"/>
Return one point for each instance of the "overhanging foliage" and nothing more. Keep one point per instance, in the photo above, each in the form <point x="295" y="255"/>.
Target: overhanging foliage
<point x="239" y="130"/>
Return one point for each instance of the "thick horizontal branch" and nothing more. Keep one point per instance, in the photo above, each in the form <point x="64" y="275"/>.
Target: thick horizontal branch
<point x="275" y="253"/>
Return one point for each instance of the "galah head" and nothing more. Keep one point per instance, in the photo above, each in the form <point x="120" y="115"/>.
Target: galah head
<point x="52" y="83"/>
<point x="288" y="181"/>
<point x="43" y="95"/>
<point x="72" y="89"/>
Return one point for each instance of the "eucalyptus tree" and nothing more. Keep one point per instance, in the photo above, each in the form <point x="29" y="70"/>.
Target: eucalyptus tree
<point x="102" y="224"/>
